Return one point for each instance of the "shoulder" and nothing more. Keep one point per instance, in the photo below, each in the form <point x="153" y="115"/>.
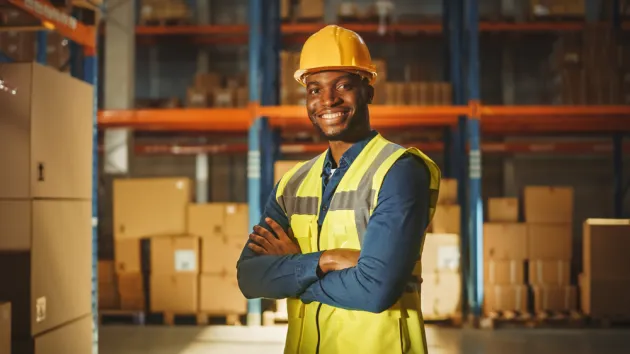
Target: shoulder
<point x="408" y="175"/>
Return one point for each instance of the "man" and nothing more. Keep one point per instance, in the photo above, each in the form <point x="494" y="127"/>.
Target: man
<point x="341" y="235"/>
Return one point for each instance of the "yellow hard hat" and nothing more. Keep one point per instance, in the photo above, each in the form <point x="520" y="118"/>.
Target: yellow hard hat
<point x="335" y="48"/>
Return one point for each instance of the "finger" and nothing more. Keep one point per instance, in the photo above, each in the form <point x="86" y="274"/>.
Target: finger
<point x="261" y="241"/>
<point x="266" y="234"/>
<point x="277" y="228"/>
<point x="254" y="247"/>
<point x="291" y="235"/>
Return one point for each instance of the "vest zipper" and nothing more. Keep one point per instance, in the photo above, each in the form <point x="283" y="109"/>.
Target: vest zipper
<point x="319" y="229"/>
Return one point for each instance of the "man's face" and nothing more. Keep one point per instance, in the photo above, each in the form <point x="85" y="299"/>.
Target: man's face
<point x="336" y="103"/>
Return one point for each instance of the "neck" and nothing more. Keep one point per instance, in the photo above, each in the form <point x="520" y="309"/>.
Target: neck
<point x="339" y="147"/>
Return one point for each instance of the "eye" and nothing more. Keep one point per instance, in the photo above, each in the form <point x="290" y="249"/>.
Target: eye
<point x="345" y="86"/>
<point x="313" y="91"/>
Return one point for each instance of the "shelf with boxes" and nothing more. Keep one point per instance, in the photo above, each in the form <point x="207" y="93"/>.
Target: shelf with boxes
<point x="529" y="266"/>
<point x="174" y="257"/>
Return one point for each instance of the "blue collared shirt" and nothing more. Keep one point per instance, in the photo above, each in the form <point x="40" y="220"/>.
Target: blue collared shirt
<point x="390" y="248"/>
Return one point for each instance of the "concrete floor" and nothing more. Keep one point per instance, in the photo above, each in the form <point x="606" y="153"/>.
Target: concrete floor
<point x="269" y="340"/>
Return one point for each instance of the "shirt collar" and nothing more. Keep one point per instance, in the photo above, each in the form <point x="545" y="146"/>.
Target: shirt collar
<point x="350" y="155"/>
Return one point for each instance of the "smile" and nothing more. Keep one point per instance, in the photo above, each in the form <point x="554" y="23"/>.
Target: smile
<point x="333" y="115"/>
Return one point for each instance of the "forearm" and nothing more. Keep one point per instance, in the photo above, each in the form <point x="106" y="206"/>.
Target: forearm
<point x="276" y="277"/>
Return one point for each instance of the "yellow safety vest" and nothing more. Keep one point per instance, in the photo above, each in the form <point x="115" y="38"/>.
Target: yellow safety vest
<point x="319" y="328"/>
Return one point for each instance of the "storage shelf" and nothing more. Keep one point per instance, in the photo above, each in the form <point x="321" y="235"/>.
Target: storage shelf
<point x="54" y="19"/>
<point x="495" y="119"/>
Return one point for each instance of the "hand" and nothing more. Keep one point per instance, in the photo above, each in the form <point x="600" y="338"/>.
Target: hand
<point x="266" y="243"/>
<point x="338" y="259"/>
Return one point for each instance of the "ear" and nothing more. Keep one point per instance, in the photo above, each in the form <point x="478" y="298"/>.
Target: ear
<point x="369" y="92"/>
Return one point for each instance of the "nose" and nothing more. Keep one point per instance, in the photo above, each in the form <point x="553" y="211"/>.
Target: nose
<point x="329" y="98"/>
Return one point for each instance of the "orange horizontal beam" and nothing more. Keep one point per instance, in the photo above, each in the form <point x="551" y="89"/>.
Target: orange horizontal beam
<point x="56" y="19"/>
<point x="495" y="119"/>
<point x="308" y="28"/>
<point x="596" y="147"/>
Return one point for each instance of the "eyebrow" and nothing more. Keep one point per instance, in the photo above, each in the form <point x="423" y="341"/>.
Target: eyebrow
<point x="348" y="76"/>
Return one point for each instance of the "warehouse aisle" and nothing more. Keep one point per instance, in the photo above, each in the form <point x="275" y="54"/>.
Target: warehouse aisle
<point x="269" y="340"/>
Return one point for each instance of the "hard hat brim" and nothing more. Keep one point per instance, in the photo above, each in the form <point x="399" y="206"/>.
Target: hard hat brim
<point x="369" y="73"/>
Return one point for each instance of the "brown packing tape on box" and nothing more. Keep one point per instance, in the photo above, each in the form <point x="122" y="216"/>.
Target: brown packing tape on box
<point x="505" y="272"/>
<point x="549" y="272"/>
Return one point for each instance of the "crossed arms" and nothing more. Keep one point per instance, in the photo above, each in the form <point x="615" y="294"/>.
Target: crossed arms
<point x="271" y="266"/>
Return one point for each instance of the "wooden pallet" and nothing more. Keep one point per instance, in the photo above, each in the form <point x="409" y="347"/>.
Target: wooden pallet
<point x="543" y="319"/>
<point x="200" y="319"/>
<point x="122" y="316"/>
<point x="452" y="321"/>
<point x="608" y="322"/>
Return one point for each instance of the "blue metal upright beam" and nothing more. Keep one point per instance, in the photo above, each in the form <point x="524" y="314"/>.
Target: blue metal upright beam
<point x="254" y="310"/>
<point x="475" y="201"/>
<point x="90" y="75"/>
<point x="454" y="12"/>
<point x="42" y="47"/>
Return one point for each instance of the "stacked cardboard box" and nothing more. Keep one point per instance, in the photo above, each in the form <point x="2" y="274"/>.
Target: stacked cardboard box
<point x="310" y="10"/>
<point x="5" y="327"/>
<point x="584" y="68"/>
<point x="441" y="271"/>
<point x="222" y="228"/>
<point x="107" y="286"/>
<point x="163" y="10"/>
<point x="572" y="8"/>
<point x="45" y="207"/>
<point x="549" y="217"/>
<point x="174" y="276"/>
<point x="441" y="276"/>
<point x="505" y="253"/>
<point x="291" y="92"/>
<point x="417" y="93"/>
<point x="447" y="216"/>
<point x="144" y="208"/>
<point x="215" y="90"/>
<point x="21" y="47"/>
<point x="605" y="283"/>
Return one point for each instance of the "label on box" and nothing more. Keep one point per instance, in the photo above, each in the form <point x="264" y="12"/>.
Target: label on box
<point x="185" y="260"/>
<point x="231" y="209"/>
<point x="448" y="257"/>
<point x="40" y="309"/>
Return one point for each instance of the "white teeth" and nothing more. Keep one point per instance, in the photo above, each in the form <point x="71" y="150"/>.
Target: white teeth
<point x="331" y="115"/>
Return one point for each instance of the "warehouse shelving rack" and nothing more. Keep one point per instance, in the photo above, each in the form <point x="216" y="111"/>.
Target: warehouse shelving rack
<point x="467" y="118"/>
<point x="83" y="47"/>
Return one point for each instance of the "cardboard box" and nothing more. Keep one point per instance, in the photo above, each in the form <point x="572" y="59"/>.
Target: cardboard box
<point x="544" y="204"/>
<point x="606" y="298"/>
<point x="504" y="272"/>
<point x="503" y="209"/>
<point x="506" y="298"/>
<point x="127" y="256"/>
<point x="145" y="207"/>
<point x="221" y="294"/>
<point x="5" y="327"/>
<point x="178" y="293"/>
<point x="46" y="246"/>
<point x="550" y="241"/>
<point x="107" y="286"/>
<point x="207" y="82"/>
<point x="196" y="98"/>
<point x="440" y="253"/>
<point x="447" y="219"/>
<point x="605" y="248"/>
<point x="549" y="272"/>
<point x="175" y="254"/>
<point x="45" y="128"/>
<point x="220" y="254"/>
<point x="555" y="298"/>
<point x="448" y="191"/>
<point x="131" y="290"/>
<point x="72" y="338"/>
<point x="311" y="8"/>
<point x="206" y="220"/>
<point x="282" y="167"/>
<point x="441" y="295"/>
<point x="505" y="241"/>
<point x="236" y="224"/>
